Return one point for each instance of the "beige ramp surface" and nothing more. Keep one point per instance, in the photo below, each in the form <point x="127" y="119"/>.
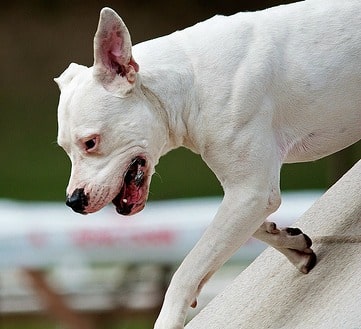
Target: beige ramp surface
<point x="272" y="294"/>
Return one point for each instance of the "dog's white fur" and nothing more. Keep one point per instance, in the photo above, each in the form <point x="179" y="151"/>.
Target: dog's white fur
<point x="247" y="92"/>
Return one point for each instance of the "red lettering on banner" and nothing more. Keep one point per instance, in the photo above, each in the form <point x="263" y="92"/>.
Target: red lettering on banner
<point x="154" y="238"/>
<point x="85" y="238"/>
<point x="108" y="238"/>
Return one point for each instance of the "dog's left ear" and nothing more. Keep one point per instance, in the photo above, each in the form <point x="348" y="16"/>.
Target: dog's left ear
<point x="68" y="75"/>
<point x="114" y="66"/>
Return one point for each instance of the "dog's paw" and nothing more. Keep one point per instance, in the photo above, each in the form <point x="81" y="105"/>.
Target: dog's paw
<point x="290" y="238"/>
<point x="295" y="245"/>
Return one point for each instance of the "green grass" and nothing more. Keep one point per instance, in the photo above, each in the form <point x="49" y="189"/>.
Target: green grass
<point x="42" y="322"/>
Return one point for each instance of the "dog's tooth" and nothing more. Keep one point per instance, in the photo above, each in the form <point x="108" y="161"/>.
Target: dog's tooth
<point x="139" y="177"/>
<point x="125" y="200"/>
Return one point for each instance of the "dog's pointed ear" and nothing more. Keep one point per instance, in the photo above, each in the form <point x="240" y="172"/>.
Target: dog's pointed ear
<point x="114" y="66"/>
<point x="68" y="75"/>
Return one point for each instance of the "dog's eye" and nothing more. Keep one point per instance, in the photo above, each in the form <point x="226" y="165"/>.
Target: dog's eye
<point x="90" y="144"/>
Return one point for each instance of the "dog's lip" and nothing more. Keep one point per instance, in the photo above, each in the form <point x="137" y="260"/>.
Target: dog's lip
<point x="134" y="189"/>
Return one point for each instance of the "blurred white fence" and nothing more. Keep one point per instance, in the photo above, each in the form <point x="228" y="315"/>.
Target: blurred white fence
<point x="48" y="234"/>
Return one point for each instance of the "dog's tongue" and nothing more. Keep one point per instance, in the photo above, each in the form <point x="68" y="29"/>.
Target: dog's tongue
<point x="130" y="192"/>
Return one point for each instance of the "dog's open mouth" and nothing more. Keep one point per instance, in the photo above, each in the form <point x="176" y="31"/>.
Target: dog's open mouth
<point x="133" y="193"/>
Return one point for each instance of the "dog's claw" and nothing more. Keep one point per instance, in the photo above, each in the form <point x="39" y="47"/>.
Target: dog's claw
<point x="194" y="304"/>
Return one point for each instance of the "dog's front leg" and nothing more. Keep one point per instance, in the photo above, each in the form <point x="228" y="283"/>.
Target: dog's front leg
<point x="240" y="214"/>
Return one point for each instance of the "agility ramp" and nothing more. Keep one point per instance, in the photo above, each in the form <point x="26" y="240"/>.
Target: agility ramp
<point x="272" y="294"/>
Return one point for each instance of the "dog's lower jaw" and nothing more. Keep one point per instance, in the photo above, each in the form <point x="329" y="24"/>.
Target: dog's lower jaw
<point x="131" y="209"/>
<point x="134" y="190"/>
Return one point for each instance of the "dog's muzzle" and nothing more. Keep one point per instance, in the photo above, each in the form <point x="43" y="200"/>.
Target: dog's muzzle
<point x="77" y="201"/>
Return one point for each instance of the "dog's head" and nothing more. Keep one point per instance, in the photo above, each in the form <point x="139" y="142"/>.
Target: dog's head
<point x="107" y="126"/>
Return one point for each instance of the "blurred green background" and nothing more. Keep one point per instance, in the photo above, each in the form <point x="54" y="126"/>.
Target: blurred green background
<point x="38" y="41"/>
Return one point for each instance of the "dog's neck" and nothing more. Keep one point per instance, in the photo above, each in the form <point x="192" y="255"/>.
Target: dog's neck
<point x="168" y="85"/>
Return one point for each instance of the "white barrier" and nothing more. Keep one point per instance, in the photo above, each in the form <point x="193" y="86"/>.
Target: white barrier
<point x="46" y="234"/>
<point x="272" y="294"/>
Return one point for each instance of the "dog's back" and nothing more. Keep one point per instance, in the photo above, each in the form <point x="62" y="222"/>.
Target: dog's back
<point x="303" y="60"/>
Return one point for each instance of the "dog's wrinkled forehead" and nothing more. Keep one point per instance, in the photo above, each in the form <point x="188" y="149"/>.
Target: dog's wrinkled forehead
<point x="79" y="98"/>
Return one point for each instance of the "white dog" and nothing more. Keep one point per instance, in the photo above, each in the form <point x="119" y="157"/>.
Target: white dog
<point x="247" y="92"/>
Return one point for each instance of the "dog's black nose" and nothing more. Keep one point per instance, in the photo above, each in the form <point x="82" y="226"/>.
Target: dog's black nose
<point x="77" y="201"/>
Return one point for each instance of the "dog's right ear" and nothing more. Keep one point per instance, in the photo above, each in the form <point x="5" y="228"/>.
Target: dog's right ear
<point x="68" y="75"/>
<point x="114" y="66"/>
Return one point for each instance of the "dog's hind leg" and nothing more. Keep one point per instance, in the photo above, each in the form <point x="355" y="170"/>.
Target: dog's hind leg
<point x="291" y="242"/>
